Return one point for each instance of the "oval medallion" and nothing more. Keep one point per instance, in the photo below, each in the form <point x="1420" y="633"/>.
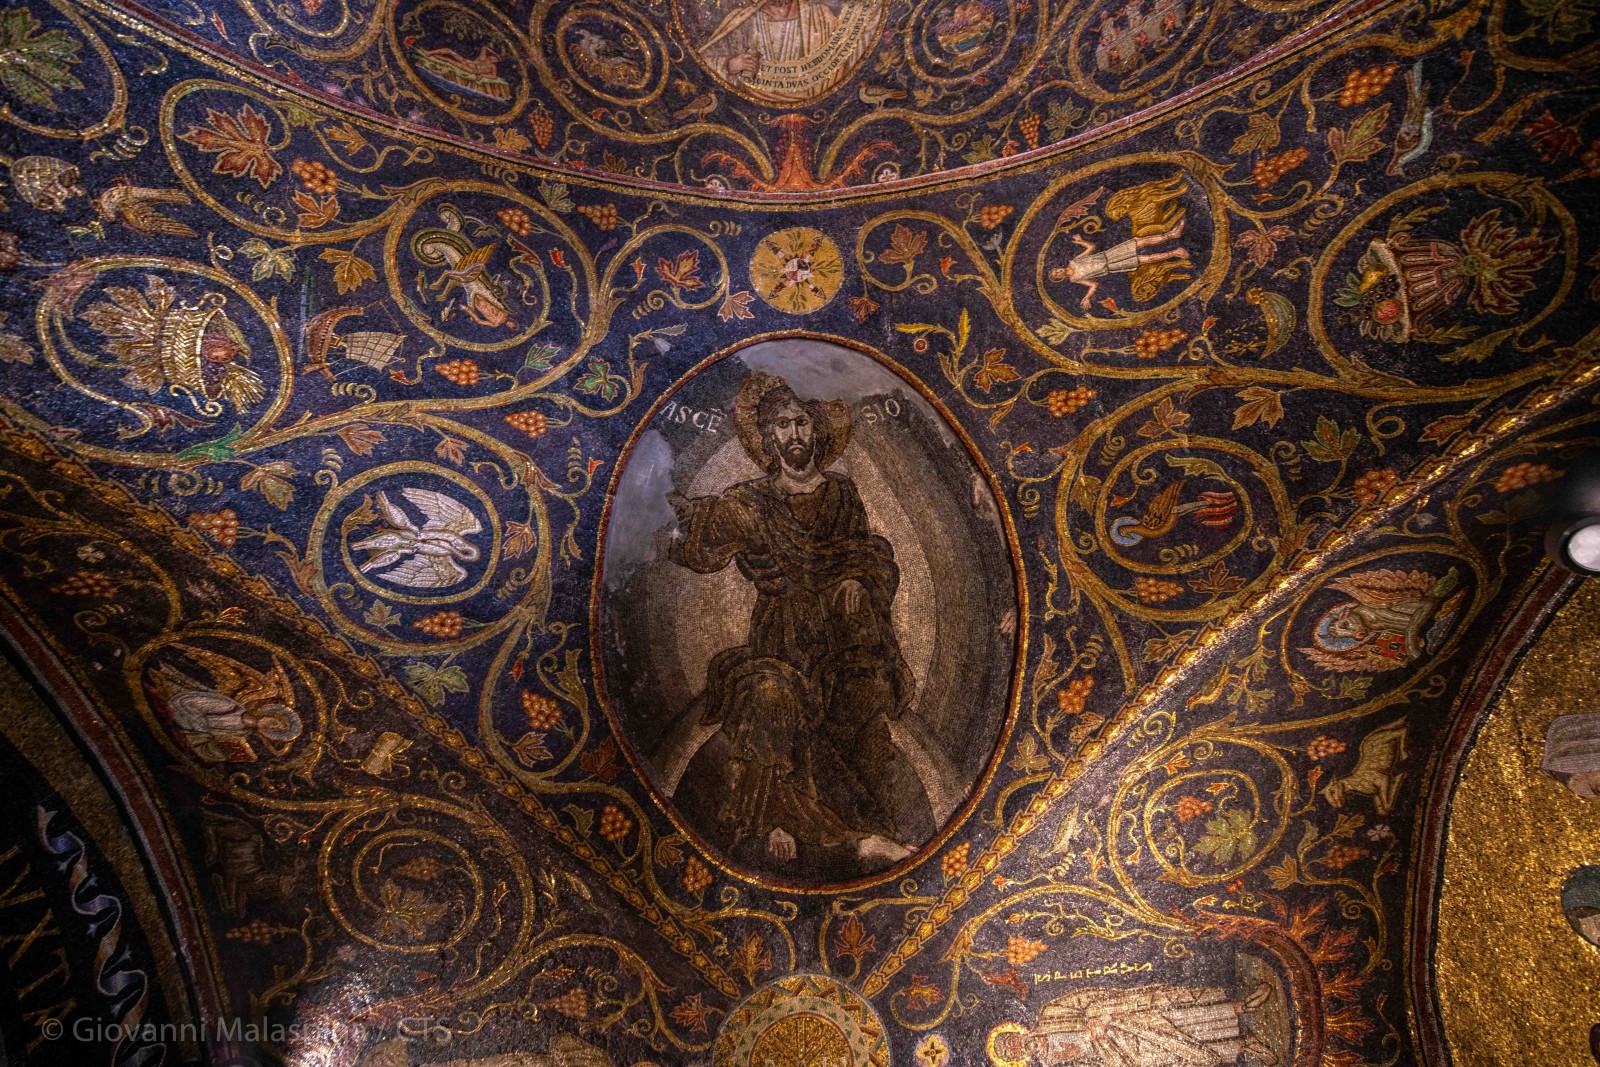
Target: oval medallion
<point x="808" y="607"/>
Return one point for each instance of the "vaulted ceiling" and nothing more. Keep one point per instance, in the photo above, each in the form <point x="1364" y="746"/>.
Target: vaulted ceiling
<point x="800" y="532"/>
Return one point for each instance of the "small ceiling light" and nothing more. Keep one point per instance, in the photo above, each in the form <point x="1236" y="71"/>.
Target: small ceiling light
<point x="1575" y="544"/>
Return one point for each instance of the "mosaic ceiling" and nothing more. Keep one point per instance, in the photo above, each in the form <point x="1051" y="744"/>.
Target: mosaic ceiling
<point x="782" y="533"/>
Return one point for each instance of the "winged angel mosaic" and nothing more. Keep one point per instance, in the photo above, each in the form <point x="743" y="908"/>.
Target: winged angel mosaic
<point x="555" y="613"/>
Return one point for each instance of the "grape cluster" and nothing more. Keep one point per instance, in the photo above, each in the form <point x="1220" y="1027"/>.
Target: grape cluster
<point x="1029" y="125"/>
<point x="1522" y="475"/>
<point x="604" y="216"/>
<point x="1066" y="401"/>
<point x="992" y="215"/>
<point x="460" y="371"/>
<point x="614" y="823"/>
<point x="954" y="862"/>
<point x="574" y="1003"/>
<point x="315" y="176"/>
<point x="254" y="932"/>
<point x="1020" y="950"/>
<point x="1152" y="343"/>
<point x="1341" y="856"/>
<point x="1373" y="484"/>
<point x="696" y="876"/>
<point x="87" y="583"/>
<point x="1075" y="695"/>
<point x="221" y="526"/>
<point x="543" y="713"/>
<point x="446" y="624"/>
<point x="1155" y="590"/>
<point x="532" y="423"/>
<point x="544" y="127"/>
<point x="1192" y="808"/>
<point x="516" y="220"/>
<point x="1362" y="85"/>
<point x="1323" y="747"/>
<point x="1272" y="168"/>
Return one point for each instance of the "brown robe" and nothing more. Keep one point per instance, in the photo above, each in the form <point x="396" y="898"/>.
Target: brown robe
<point x="805" y="704"/>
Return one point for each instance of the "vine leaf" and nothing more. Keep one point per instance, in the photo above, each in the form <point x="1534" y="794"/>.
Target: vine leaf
<point x="992" y="367"/>
<point x="432" y="683"/>
<point x="239" y="143"/>
<point x="1260" y="136"/>
<point x="1228" y="835"/>
<point x="1329" y="443"/>
<point x="360" y="438"/>
<point x="35" y="66"/>
<point x="315" y="212"/>
<point x="268" y="261"/>
<point x="682" y="272"/>
<point x="451" y="450"/>
<point x="1362" y="142"/>
<point x="1260" y="405"/>
<point x="905" y="245"/>
<point x="1164" y="418"/>
<point x="350" y="271"/>
<point x="271" y="480"/>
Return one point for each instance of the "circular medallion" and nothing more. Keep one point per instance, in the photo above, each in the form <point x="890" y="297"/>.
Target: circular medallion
<point x="801" y="1020"/>
<point x="797" y="270"/>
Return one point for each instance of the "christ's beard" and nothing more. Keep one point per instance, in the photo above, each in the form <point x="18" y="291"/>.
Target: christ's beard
<point x="797" y="456"/>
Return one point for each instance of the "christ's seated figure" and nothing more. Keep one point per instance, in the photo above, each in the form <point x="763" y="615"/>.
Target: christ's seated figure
<point x="800" y="771"/>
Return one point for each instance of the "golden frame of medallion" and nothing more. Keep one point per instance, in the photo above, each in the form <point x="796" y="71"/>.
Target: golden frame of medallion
<point x="640" y="766"/>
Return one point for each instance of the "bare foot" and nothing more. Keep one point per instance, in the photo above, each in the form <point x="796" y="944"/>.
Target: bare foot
<point x="880" y="848"/>
<point x="780" y="845"/>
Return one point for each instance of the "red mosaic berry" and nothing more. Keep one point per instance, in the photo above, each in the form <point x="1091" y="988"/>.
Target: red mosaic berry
<point x="1151" y="343"/>
<point x="87" y="583"/>
<point x="1192" y="808"/>
<point x="1371" y="485"/>
<point x="1322" y="747"/>
<point x="543" y="713"/>
<point x="1066" y="401"/>
<point x="445" y="624"/>
<point x="604" y="216"/>
<point x="532" y="423"/>
<point x="1155" y="590"/>
<point x="1272" y="168"/>
<point x="516" y="220"/>
<point x="614" y="823"/>
<point x="459" y="371"/>
<point x="696" y="876"/>
<point x="221" y="526"/>
<point x="1362" y="85"/>
<point x="1522" y="475"/>
<point x="315" y="176"/>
